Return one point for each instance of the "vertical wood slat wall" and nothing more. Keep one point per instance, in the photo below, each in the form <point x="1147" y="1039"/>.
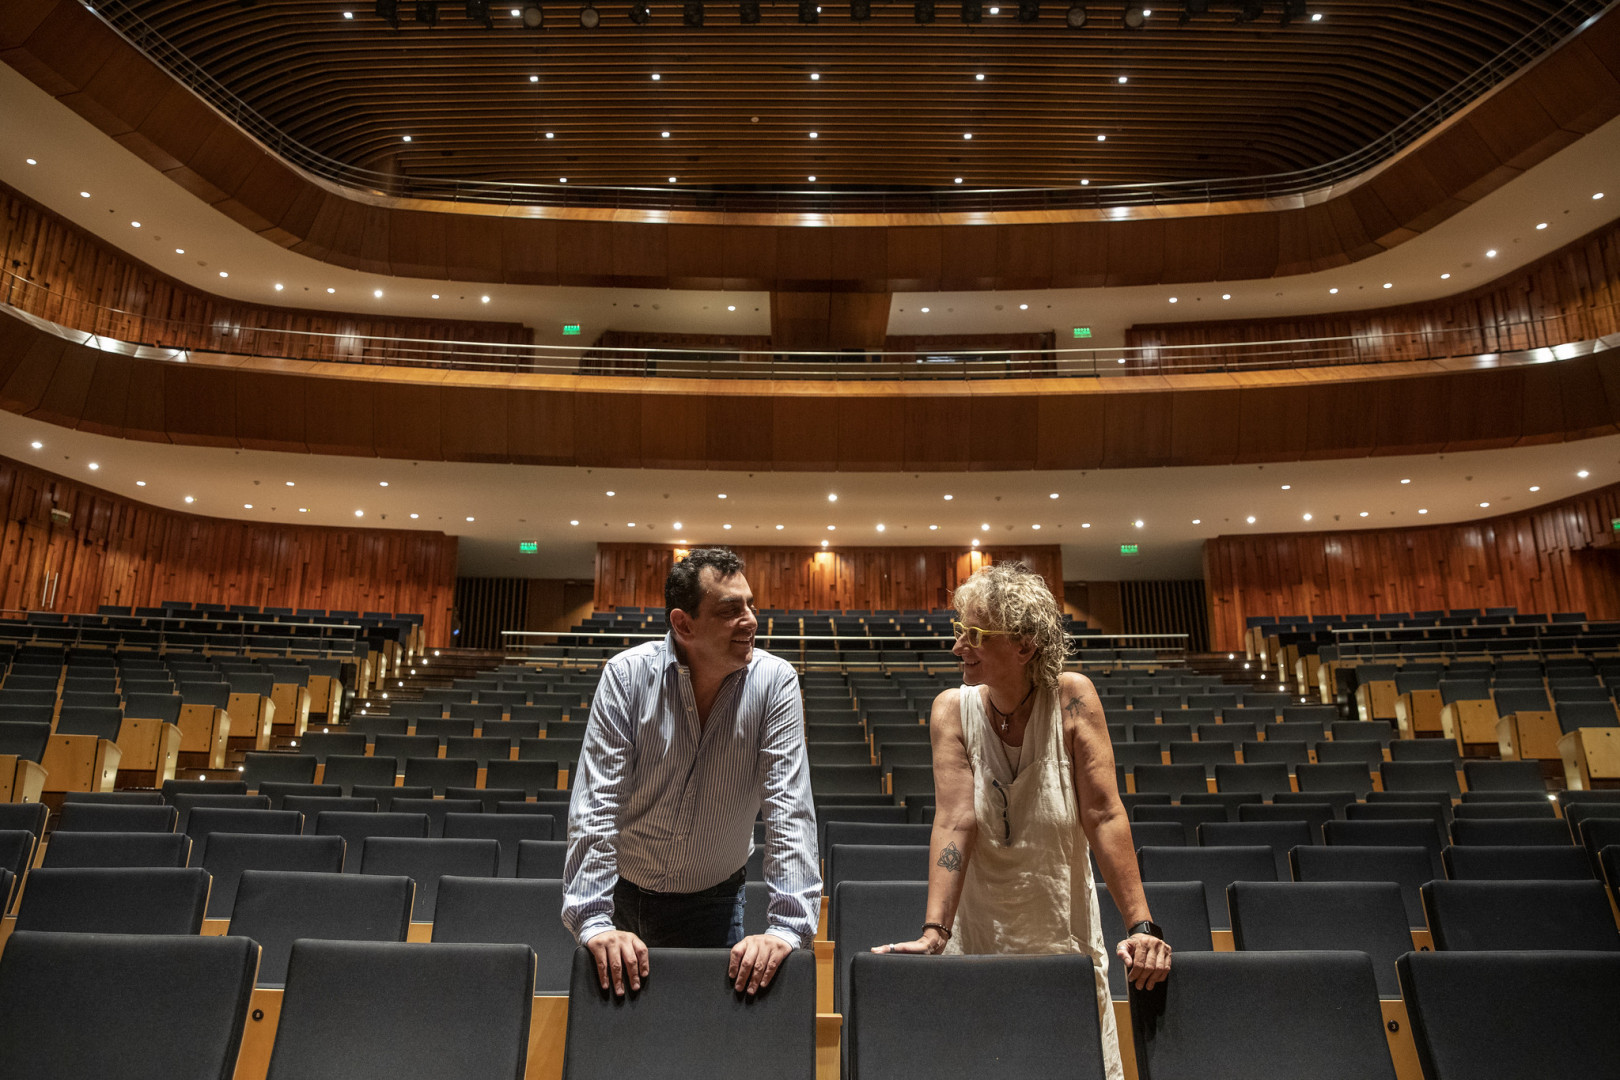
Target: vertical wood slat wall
<point x="486" y="606"/>
<point x="1572" y="294"/>
<point x="1558" y="557"/>
<point x="631" y="575"/>
<point x="1166" y="607"/>
<point x="119" y="551"/>
<point x="81" y="273"/>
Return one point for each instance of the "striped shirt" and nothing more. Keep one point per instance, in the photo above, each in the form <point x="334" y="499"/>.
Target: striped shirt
<point x="670" y="804"/>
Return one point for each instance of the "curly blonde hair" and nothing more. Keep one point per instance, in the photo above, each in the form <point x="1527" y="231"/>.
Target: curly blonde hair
<point x="1013" y="597"/>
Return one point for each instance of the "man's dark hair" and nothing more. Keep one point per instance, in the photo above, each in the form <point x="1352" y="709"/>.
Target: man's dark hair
<point x="683" y="590"/>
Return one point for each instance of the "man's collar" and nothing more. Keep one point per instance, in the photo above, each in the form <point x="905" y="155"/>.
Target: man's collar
<point x="673" y="657"/>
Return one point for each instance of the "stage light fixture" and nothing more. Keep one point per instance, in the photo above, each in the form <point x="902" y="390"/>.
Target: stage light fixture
<point x="388" y="12"/>
<point x="1029" y="10"/>
<point x="1135" y="16"/>
<point x="748" y="12"/>
<point x="972" y="12"/>
<point x="534" y="18"/>
<point x="809" y="12"/>
<point x="922" y="11"/>
<point x="1249" y="10"/>
<point x="427" y="11"/>
<point x="1189" y="8"/>
<point x="640" y="13"/>
<point x="692" y="13"/>
<point x="1293" y="9"/>
<point x="478" y="12"/>
<point x="590" y="19"/>
<point x="1075" y="17"/>
<point x="860" y="10"/>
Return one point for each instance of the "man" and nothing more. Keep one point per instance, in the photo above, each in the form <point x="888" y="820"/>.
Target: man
<point x="688" y="738"/>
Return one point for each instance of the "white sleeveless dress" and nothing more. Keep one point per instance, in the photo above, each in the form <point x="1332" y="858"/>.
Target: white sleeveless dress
<point x="1033" y="894"/>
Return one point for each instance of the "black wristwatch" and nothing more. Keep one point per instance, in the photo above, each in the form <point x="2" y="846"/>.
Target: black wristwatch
<point x="1146" y="926"/>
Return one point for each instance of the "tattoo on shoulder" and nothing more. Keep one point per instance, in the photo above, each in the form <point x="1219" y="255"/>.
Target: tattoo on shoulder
<point x="1073" y="708"/>
<point x="951" y="857"/>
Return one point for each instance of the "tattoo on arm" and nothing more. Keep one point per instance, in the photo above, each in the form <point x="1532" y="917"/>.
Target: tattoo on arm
<point x="1072" y="707"/>
<point x="951" y="857"/>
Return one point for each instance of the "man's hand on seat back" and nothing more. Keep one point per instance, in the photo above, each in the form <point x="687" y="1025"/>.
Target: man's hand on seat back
<point x="619" y="953"/>
<point x="754" y="961"/>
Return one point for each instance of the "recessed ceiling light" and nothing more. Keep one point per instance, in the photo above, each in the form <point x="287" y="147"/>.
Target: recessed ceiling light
<point x="672" y="179"/>
<point x="534" y="78"/>
<point x="1023" y="307"/>
<point x="1541" y="226"/>
<point x="984" y="527"/>
<point x="979" y="77"/>
<point x="731" y="307"/>
<point x="1583" y="474"/>
<point x="632" y="523"/>
<point x="86" y="195"/>
<point x="247" y="506"/>
<point x="551" y="135"/>
<point x="611" y="493"/>
<point x="975" y="542"/>
<point x="948" y="498"/>
<point x="348" y="14"/>
<point x="1198" y="521"/>
<point x="1307" y="517"/>
<point x="663" y="134"/>
<point x="329" y="292"/>
<point x="1535" y="487"/>
<point x="1085" y="183"/>
<point x="1175" y="299"/>
<point x="1035" y="526"/>
<point x="562" y="179"/>
<point x="1085" y="524"/>
<point x="1423" y="510"/>
<point x="1226" y="296"/>
<point x="179" y="251"/>
<point x="573" y="521"/>
<point x="1053" y="495"/>
<point x="832" y="528"/>
<point x="812" y="179"/>
<point x="815" y="76"/>
<point x="279" y="286"/>
<point x="933" y="528"/>
<point x="677" y="526"/>
<point x="779" y="528"/>
<point x="140" y="483"/>
<point x="359" y="513"/>
<point x="815" y="135"/>
<point x="37" y="445"/>
<point x="1287" y="487"/>
<point x="1333" y="292"/>
<point x="435" y="296"/>
<point x="656" y="76"/>
<point x="1389" y="284"/>
<point x="1316" y="16"/>
<point x="823" y="543"/>
<point x="721" y="495"/>
<point x="925" y="311"/>
<point x="726" y="526"/>
<point x="1598" y="195"/>
<point x="223" y="274"/>
<point x="1123" y="80"/>
<point x="1251" y="519"/>
<point x="832" y="498"/>
<point x="1483" y="505"/>
<point x="1406" y="479"/>
<point x="405" y="138"/>
<point x="880" y="527"/>
<point x="958" y="180"/>
<point x="1491" y="254"/>
<point x="94" y="466"/>
<point x="1102" y="138"/>
<point x="134" y="224"/>
<point x="31" y="161"/>
<point x="190" y="499"/>
<point x="1139" y="523"/>
<point x="377" y="293"/>
<point x="1363" y="513"/>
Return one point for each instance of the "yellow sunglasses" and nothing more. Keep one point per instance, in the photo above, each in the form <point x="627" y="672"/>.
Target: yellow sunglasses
<point x="974" y="636"/>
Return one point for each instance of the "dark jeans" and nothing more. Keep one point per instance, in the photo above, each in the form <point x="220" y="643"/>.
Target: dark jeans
<point x="708" y="919"/>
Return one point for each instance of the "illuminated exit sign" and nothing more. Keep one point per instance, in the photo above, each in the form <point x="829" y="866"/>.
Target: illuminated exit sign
<point x="571" y="329"/>
<point x="1082" y="331"/>
<point x="1127" y="549"/>
<point x="528" y="547"/>
<point x="1614" y="523"/>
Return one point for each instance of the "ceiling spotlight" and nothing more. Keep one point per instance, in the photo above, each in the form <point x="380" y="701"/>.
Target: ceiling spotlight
<point x="534" y="17"/>
<point x="1075" y="17"/>
<point x="640" y="13"/>
<point x="388" y="12"/>
<point x="692" y="13"/>
<point x="1292" y="9"/>
<point x="478" y="12"/>
<point x="1029" y="10"/>
<point x="922" y="12"/>
<point x="748" y="12"/>
<point x="809" y="12"/>
<point x="1134" y="17"/>
<point x="427" y="11"/>
<point x="972" y="12"/>
<point x="1249" y="10"/>
<point x="589" y="19"/>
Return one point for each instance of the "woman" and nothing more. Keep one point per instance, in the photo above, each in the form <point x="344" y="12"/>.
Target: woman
<point x="1024" y="782"/>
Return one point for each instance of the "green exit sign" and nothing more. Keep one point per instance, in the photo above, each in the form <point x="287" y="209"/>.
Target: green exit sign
<point x="1127" y="549"/>
<point x="528" y="547"/>
<point x="1614" y="523"/>
<point x="1082" y="331"/>
<point x="571" y="329"/>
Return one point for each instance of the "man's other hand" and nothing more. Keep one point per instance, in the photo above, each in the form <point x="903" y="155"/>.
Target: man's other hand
<point x="754" y="961"/>
<point x="619" y="953"/>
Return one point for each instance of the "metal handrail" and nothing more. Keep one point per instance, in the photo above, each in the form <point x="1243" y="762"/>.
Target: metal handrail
<point x="116" y="330"/>
<point x="1531" y="46"/>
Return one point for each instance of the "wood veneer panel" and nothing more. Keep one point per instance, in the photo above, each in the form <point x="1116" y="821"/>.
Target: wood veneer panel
<point x="585" y="253"/>
<point x="640" y="257"/>
<point x="740" y="432"/>
<point x="409" y="421"/>
<point x="540" y="427"/>
<point x="206" y="400"/>
<point x="967" y="257"/>
<point x="107" y="401"/>
<point x="675" y="432"/>
<point x="696" y="255"/>
<point x="1192" y="249"/>
<point x="938" y="435"/>
<point x="1137" y="430"/>
<point x="607" y="430"/>
<point x="808" y="433"/>
<point x="1205" y="427"/>
<point x="1070" y="431"/>
<point x="340" y="417"/>
<point x="418" y="247"/>
<point x="859" y="259"/>
<point x="527" y="250"/>
<point x="64" y="398"/>
<point x="916" y="257"/>
<point x="270" y="412"/>
<point x="473" y="426"/>
<point x="1003" y="432"/>
<point x="869" y="434"/>
<point x="803" y="258"/>
<point x="1136" y="253"/>
<point x="750" y="257"/>
<point x="31" y="377"/>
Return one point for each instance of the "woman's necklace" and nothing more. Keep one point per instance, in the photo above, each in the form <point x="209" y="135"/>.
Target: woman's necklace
<point x="1004" y="719"/>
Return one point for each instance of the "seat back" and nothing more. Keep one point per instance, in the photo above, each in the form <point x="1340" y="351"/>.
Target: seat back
<point x="344" y="771"/>
<point x="277" y="907"/>
<point x="531" y="777"/>
<point x="1265" y="777"/>
<point x="1486" y="915"/>
<point x="116" y="817"/>
<point x="1408" y="867"/>
<point x="120" y="900"/>
<point x="1519" y="862"/>
<point x="1216" y="867"/>
<point x="475" y="910"/>
<point x="541" y="858"/>
<point x="1280" y="836"/>
<point x="440" y="773"/>
<point x="323" y="744"/>
<point x="24" y="740"/>
<point x="1500" y="831"/>
<point x="1172" y="779"/>
<point x="86" y="850"/>
<point x="869" y="914"/>
<point x="1363" y="916"/>
<point x="408" y="1010"/>
<point x="1504" y="1014"/>
<point x="70" y="1008"/>
<point x="507" y="830"/>
<point x="873" y="862"/>
<point x="229" y="854"/>
<point x="907" y="1015"/>
<point x="1334" y="776"/>
<point x="356" y="828"/>
<point x="1402" y="832"/>
<point x="685" y="1023"/>
<point x="425" y="861"/>
<point x="278" y="768"/>
<point x="1260" y="1014"/>
<point x="204" y="821"/>
<point x="1180" y="904"/>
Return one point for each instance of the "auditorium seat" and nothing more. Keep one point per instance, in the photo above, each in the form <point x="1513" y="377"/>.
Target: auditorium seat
<point x="1228" y="800"/>
<point x="121" y="900"/>
<point x="424" y="861"/>
<point x="1503" y="808"/>
<point x="312" y="805"/>
<point x="1187" y="817"/>
<point x="1531" y="862"/>
<point x="684" y="1021"/>
<point x="1216" y="867"/>
<point x="186" y="801"/>
<point x="1308" y="732"/>
<point x="1501" y="831"/>
<point x="1505" y="776"/>
<point x="409" y="1012"/>
<point x="531" y="776"/>
<point x="207" y="820"/>
<point x="461" y="724"/>
<point x="1265" y="777"/>
<point x="1315" y="815"/>
<point x="1367" y="917"/>
<point x="1399" y="775"/>
<point x="1490" y="915"/>
<point x="1178" y="906"/>
<point x="1362" y="751"/>
<point x="116" y="817"/>
<point x="828" y="780"/>
<point x="277" y="792"/>
<point x="344" y="771"/>
<point x="1130" y="754"/>
<point x="1407" y="832"/>
<point x="1408" y="867"/>
<point x="1334" y="776"/>
<point x="507" y="830"/>
<point x="387" y="794"/>
<point x="541" y="858"/>
<point x="277" y="907"/>
<point x="1513" y="1015"/>
<point x="435" y="809"/>
<point x="1172" y="779"/>
<point x="873" y="862"/>
<point x="74" y="1006"/>
<point x="1290" y="754"/>
<point x="909" y="781"/>
<point x="868" y="914"/>
<point x="440" y="773"/>
<point x="88" y="850"/>
<point x="1159" y="736"/>
<point x="479" y="750"/>
<point x="281" y="768"/>
<point x="1400" y="811"/>
<point x="229" y="854"/>
<point x="356" y="828"/>
<point x="1212" y="755"/>
<point x="1263" y="1014"/>
<point x="1376" y="731"/>
<point x="491" y="911"/>
<point x="1280" y="836"/>
<point x="30" y="816"/>
<point x="323" y="744"/>
<point x="398" y="749"/>
<point x="842" y="830"/>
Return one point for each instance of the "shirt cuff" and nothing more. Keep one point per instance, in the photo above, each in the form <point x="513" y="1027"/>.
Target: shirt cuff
<point x="594" y="928"/>
<point x="795" y="941"/>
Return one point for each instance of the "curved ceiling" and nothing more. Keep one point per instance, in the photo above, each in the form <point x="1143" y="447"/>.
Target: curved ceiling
<point x="1000" y="103"/>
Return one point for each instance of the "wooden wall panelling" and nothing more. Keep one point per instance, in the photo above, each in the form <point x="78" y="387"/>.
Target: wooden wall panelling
<point x="696" y="255"/>
<point x="410" y="421"/>
<point x="675" y="429"/>
<point x="869" y="434"/>
<point x="916" y="257"/>
<point x="1137" y="430"/>
<point x="1070" y="431"/>
<point x="1549" y="558"/>
<point x="1588" y="411"/>
<point x="107" y="401"/>
<point x="1136" y="253"/>
<point x="31" y="377"/>
<point x="585" y="253"/>
<point x="473" y="425"/>
<point x="206" y="398"/>
<point x="607" y="429"/>
<point x="939" y="432"/>
<point x="968" y="257"/>
<point x="993" y="419"/>
<point x="270" y="412"/>
<point x="1204" y="427"/>
<point x="540" y="427"/>
<point x="749" y="257"/>
<point x="803" y="259"/>
<point x="118" y="551"/>
<point x="418" y="244"/>
<point x="859" y="259"/>
<point x="64" y="398"/>
<point x="740" y="432"/>
<point x="1192" y="249"/>
<point x="811" y="431"/>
